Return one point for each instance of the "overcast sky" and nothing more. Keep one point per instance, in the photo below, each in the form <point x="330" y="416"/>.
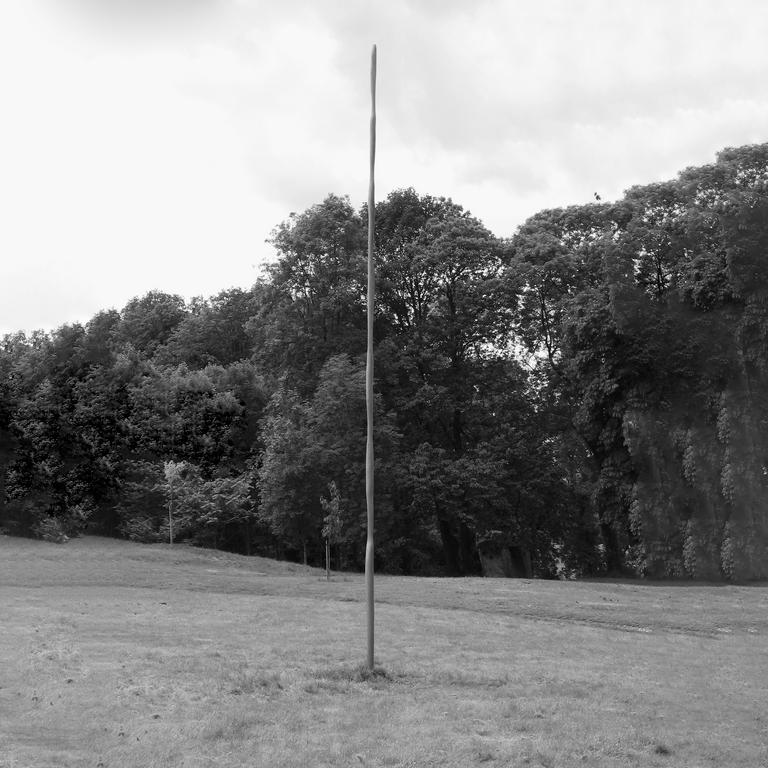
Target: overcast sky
<point x="154" y="144"/>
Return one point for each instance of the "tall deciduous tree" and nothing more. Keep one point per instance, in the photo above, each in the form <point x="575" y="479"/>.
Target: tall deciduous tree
<point x="147" y="322"/>
<point x="443" y="367"/>
<point x="312" y="305"/>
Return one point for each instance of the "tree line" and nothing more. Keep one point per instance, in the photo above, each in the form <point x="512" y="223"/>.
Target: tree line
<point x="586" y="397"/>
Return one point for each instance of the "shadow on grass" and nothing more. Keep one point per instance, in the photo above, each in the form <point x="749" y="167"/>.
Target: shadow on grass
<point x="246" y="682"/>
<point x="361" y="673"/>
<point x="341" y="678"/>
<point x="680" y="582"/>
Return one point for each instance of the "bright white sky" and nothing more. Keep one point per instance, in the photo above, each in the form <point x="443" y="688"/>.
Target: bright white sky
<point x="154" y="144"/>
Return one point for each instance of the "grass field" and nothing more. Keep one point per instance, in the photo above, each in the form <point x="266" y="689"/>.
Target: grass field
<point x="120" y="655"/>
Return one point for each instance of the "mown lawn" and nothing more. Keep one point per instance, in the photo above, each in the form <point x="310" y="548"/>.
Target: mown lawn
<point x="122" y="655"/>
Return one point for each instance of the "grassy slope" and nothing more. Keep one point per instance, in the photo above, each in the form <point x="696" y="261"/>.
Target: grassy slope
<point x="122" y="655"/>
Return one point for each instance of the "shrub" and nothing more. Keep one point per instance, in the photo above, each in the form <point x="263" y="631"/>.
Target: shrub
<point x="77" y="517"/>
<point x="50" y="529"/>
<point x="140" y="529"/>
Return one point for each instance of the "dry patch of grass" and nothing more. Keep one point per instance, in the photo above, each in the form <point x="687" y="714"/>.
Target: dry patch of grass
<point x="124" y="655"/>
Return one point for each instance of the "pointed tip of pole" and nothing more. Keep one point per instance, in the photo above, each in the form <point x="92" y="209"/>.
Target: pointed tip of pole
<point x="373" y="69"/>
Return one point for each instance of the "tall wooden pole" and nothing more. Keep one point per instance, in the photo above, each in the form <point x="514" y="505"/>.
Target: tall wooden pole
<point x="369" y="370"/>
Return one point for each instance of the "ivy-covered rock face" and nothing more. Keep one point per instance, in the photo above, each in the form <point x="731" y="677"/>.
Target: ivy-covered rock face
<point x="651" y="316"/>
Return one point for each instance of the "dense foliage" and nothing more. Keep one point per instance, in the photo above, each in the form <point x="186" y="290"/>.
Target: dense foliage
<point x="589" y="396"/>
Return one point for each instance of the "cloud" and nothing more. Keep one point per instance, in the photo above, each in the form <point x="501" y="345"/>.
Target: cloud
<point x="131" y="17"/>
<point x="167" y="137"/>
<point x="517" y="72"/>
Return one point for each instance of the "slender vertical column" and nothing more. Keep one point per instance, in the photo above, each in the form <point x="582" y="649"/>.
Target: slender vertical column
<point x="369" y="464"/>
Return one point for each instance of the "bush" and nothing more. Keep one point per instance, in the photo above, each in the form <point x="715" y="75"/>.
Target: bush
<point x="142" y="530"/>
<point x="77" y="517"/>
<point x="50" y="529"/>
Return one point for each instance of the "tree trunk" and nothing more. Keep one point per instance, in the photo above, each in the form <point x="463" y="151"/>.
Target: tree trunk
<point x="469" y="558"/>
<point x="614" y="559"/>
<point x="510" y="562"/>
<point x="248" y="538"/>
<point x="170" y="516"/>
<point x="450" y="548"/>
<point x="2" y="492"/>
<point x="327" y="559"/>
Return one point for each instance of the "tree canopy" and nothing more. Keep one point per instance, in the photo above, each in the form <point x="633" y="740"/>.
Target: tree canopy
<point x="589" y="396"/>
